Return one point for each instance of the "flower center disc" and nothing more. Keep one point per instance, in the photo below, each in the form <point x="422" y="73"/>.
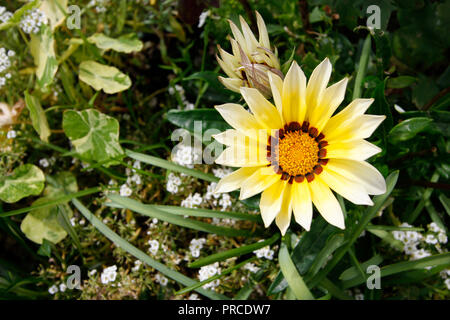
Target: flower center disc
<point x="298" y="153"/>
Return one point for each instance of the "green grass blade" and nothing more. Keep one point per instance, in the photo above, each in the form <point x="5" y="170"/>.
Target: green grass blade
<point x="233" y="252"/>
<point x="292" y="276"/>
<point x="432" y="261"/>
<point x="165" y="164"/>
<point x="54" y="202"/>
<point x="363" y="61"/>
<point x="198" y="212"/>
<point x="362" y="67"/>
<point x="125" y="245"/>
<point x="150" y="211"/>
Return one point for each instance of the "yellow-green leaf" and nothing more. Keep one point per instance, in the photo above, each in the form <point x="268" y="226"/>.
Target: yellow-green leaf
<point x="99" y="76"/>
<point x="127" y="43"/>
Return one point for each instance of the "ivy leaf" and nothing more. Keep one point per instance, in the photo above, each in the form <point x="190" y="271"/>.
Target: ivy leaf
<point x="52" y="9"/>
<point x="42" y="48"/>
<point x="44" y="223"/>
<point x="99" y="76"/>
<point x="25" y="181"/>
<point x="127" y="43"/>
<point x="94" y="135"/>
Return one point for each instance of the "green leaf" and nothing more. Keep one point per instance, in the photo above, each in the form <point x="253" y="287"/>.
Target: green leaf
<point x="353" y="272"/>
<point x="26" y="180"/>
<point x="94" y="135"/>
<point x="100" y="76"/>
<point x="206" y="213"/>
<point x="408" y="129"/>
<point x="125" y="245"/>
<point x="37" y="115"/>
<point x="432" y="261"/>
<point x="45" y="222"/>
<point x="150" y="211"/>
<point x="40" y="224"/>
<point x="45" y="249"/>
<point x="155" y="161"/>
<point x="42" y="48"/>
<point x="207" y="119"/>
<point x="126" y="43"/>
<point x="293" y="278"/>
<point x="233" y="252"/>
<point x="388" y="238"/>
<point x="400" y="82"/>
<point x="445" y="203"/>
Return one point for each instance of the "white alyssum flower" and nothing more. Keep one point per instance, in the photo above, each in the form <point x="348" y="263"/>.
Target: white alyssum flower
<point x="207" y="272"/>
<point x="135" y="178"/>
<point x="32" y="21"/>
<point x="11" y="134"/>
<point x="447" y="283"/>
<point x="125" y="190"/>
<point x="264" y="252"/>
<point x="53" y="289"/>
<point x="92" y="272"/>
<point x="251" y="267"/>
<point x="192" y="201"/>
<point x="173" y="182"/>
<point x="193" y="296"/>
<point x="431" y="239"/>
<point x="44" y="163"/>
<point x="195" y="246"/>
<point x="109" y="274"/>
<point x="225" y="201"/>
<point x="221" y="172"/>
<point x="419" y="254"/>
<point x="161" y="279"/>
<point x="434" y="227"/>
<point x="442" y="237"/>
<point x="137" y="265"/>
<point x="154" y="246"/>
<point x="5" y="15"/>
<point x="62" y="287"/>
<point x="186" y="155"/>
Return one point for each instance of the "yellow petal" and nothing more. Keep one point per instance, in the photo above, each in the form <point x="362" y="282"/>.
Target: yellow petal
<point x="232" y="137"/>
<point x="332" y="98"/>
<point x="227" y="68"/>
<point x="236" y="116"/>
<point x="302" y="204"/>
<point x="294" y="90"/>
<point x="356" y="108"/>
<point x="360" y="127"/>
<point x="347" y="188"/>
<point x="249" y="154"/>
<point x="265" y="112"/>
<point x="260" y="180"/>
<point x="276" y="84"/>
<point x="271" y="200"/>
<point x="283" y="218"/>
<point x="233" y="84"/>
<point x="355" y="150"/>
<point x="326" y="203"/>
<point x="366" y="175"/>
<point x="317" y="84"/>
<point x="250" y="39"/>
<point x="234" y="180"/>
<point x="263" y="35"/>
<point x="238" y="36"/>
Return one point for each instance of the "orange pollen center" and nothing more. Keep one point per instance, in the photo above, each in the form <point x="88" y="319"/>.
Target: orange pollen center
<point x="298" y="153"/>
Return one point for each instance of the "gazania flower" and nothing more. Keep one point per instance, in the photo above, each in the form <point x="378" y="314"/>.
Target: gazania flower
<point x="251" y="59"/>
<point x="296" y="152"/>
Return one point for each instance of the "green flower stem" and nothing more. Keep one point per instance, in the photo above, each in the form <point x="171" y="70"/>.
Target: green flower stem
<point x="363" y="61"/>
